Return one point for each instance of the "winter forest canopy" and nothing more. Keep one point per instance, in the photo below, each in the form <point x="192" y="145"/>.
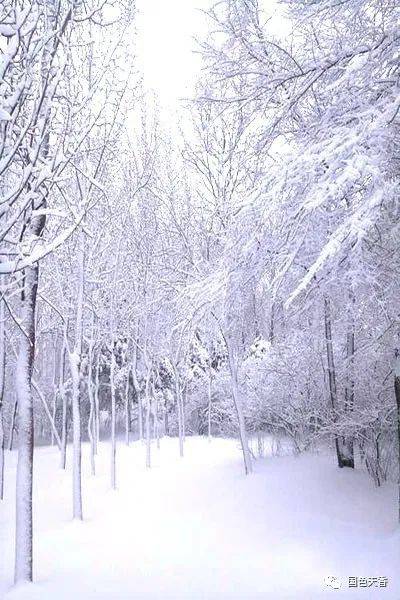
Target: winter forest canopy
<point x="227" y="267"/>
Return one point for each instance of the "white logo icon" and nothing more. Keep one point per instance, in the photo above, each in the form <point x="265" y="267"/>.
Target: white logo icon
<point x="333" y="582"/>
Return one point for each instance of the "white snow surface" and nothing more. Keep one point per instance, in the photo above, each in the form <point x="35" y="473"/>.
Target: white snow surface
<point x="198" y="528"/>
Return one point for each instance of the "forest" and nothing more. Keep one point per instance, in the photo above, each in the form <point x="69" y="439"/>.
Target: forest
<point x="200" y="313"/>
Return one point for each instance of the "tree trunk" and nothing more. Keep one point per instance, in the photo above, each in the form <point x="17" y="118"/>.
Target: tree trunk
<point x="76" y="432"/>
<point x="239" y="411"/>
<point x="156" y="425"/>
<point x="179" y="411"/>
<point x="137" y="392"/>
<point x="397" y="396"/>
<point x="347" y="440"/>
<point x="91" y="421"/>
<point x="332" y="376"/>
<point x="156" y="432"/>
<point x="272" y="325"/>
<point x="26" y="354"/>
<point x="183" y="404"/>
<point x="63" y="429"/>
<point x="75" y="365"/>
<point x="166" y="423"/>
<point x="2" y="382"/>
<point x="140" y="417"/>
<point x="12" y="424"/>
<point x="148" y="412"/>
<point x="1" y="453"/>
<point x="61" y="378"/>
<point x="97" y="405"/>
<point x="54" y="411"/>
<point x="127" y="411"/>
<point x="113" y="418"/>
<point x="209" y="403"/>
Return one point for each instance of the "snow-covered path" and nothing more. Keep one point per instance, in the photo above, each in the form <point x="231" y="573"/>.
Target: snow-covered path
<point x="197" y="528"/>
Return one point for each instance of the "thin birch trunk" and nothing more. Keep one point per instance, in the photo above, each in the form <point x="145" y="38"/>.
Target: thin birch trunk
<point x="140" y="416"/>
<point x="48" y="413"/>
<point x="272" y="324"/>
<point x="76" y="433"/>
<point x="127" y="411"/>
<point x="178" y="410"/>
<point x="75" y="366"/>
<point x="209" y="403"/>
<point x="2" y="382"/>
<point x="113" y="337"/>
<point x="396" y="371"/>
<point x="331" y="370"/>
<point x="113" y="419"/>
<point x="156" y="433"/>
<point x="1" y="453"/>
<point x="239" y="410"/>
<point x="54" y="411"/>
<point x="136" y="384"/>
<point x="63" y="453"/>
<point x="148" y="411"/>
<point x="183" y="403"/>
<point x="157" y="427"/>
<point x="156" y="424"/>
<point x="166" y="423"/>
<point x="12" y="424"/>
<point x="61" y="377"/>
<point x="348" y="444"/>
<point x="91" y="421"/>
<point x="97" y="404"/>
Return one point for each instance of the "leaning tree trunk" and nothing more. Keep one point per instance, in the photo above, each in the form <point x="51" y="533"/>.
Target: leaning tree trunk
<point x="12" y="424"/>
<point x="239" y="410"/>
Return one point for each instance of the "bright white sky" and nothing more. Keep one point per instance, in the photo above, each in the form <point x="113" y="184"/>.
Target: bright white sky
<point x="166" y="32"/>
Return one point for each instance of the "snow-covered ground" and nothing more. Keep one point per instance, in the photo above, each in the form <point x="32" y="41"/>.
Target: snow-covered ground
<point x="197" y="528"/>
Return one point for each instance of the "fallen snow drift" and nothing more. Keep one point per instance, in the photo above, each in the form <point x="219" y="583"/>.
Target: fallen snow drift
<point x="197" y="528"/>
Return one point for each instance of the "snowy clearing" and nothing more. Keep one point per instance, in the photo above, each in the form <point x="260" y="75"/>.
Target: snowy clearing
<point x="197" y="528"/>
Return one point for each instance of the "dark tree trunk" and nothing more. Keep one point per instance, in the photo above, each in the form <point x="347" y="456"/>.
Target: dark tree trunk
<point x="347" y="441"/>
<point x="342" y="458"/>
<point x="397" y="396"/>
